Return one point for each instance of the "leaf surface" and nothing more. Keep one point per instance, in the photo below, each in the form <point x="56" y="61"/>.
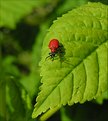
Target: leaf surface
<point x="81" y="74"/>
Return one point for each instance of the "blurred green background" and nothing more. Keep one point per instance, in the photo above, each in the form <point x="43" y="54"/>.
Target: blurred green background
<point x="23" y="26"/>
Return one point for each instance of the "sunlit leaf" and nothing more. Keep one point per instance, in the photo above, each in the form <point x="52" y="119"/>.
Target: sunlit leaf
<point x="81" y="73"/>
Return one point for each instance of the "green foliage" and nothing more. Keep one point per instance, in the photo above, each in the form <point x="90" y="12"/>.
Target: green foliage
<point x="2" y="100"/>
<point x="23" y="26"/>
<point x="69" y="4"/>
<point x="80" y="73"/>
<point x="34" y="76"/>
<point x="11" y="11"/>
<point x="14" y="99"/>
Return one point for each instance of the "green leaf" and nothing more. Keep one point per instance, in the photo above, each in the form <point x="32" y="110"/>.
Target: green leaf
<point x="13" y="98"/>
<point x="80" y="74"/>
<point x="18" y="102"/>
<point x="11" y="11"/>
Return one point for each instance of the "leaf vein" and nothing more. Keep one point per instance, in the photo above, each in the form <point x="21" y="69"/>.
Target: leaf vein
<point x="72" y="86"/>
<point x="97" y="59"/>
<point x="85" y="79"/>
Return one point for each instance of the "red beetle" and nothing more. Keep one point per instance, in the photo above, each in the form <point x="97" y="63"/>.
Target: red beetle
<point x="54" y="46"/>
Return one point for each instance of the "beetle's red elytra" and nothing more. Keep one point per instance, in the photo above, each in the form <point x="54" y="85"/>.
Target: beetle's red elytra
<point x="54" y="47"/>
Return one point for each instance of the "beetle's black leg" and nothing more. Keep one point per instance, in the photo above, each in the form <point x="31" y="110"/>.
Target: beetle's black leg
<point x="48" y="56"/>
<point x="51" y="55"/>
